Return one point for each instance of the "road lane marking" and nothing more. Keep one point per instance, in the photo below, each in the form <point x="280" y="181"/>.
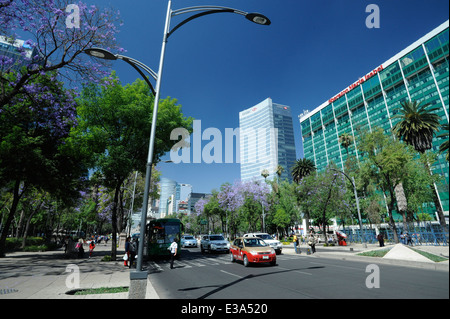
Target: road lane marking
<point x="229" y="273"/>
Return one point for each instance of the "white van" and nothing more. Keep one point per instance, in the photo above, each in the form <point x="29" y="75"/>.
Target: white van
<point x="275" y="244"/>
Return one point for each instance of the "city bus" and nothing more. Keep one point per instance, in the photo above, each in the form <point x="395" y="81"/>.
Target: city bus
<point x="160" y="234"/>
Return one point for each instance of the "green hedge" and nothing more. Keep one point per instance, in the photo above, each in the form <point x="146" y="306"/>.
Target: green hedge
<point x="14" y="244"/>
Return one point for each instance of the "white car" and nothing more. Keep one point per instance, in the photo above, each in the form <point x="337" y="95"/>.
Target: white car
<point x="188" y="241"/>
<point x="275" y="244"/>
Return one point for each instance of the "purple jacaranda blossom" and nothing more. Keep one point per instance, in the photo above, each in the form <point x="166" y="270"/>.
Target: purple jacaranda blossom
<point x="57" y="44"/>
<point x="232" y="197"/>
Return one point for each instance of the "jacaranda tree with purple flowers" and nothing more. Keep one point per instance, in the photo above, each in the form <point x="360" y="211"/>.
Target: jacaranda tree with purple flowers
<point x="56" y="32"/>
<point x="244" y="203"/>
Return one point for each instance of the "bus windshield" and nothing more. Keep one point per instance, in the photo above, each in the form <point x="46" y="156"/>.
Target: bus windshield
<point x="162" y="233"/>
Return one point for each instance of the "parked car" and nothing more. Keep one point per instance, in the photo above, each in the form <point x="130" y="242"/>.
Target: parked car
<point x="275" y="244"/>
<point x="188" y="241"/>
<point x="214" y="243"/>
<point x="252" y="250"/>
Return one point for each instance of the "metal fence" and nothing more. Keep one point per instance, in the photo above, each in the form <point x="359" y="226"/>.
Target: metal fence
<point x="425" y="234"/>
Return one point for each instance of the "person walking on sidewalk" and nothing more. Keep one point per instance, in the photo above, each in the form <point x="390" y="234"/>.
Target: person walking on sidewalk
<point x="380" y="239"/>
<point x="173" y="252"/>
<point x="312" y="243"/>
<point x="80" y="248"/>
<point x="91" y="248"/>
<point x="296" y="247"/>
<point x="127" y="252"/>
<point x="133" y="251"/>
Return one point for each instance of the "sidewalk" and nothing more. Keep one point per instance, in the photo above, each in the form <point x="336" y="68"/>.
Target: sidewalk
<point x="351" y="252"/>
<point x="48" y="275"/>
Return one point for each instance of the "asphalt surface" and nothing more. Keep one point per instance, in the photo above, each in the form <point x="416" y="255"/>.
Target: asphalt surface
<point x="198" y="276"/>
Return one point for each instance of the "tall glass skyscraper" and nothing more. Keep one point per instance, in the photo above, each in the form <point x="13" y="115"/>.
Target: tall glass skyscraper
<point x="418" y="73"/>
<point x="266" y="140"/>
<point x="18" y="51"/>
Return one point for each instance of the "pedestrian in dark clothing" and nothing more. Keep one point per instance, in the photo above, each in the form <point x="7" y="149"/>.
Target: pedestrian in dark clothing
<point x="127" y="251"/>
<point x="133" y="251"/>
<point x="380" y="238"/>
<point x="408" y="239"/>
<point x="80" y="248"/>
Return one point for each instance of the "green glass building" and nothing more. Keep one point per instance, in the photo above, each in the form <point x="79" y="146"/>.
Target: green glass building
<point x="420" y="72"/>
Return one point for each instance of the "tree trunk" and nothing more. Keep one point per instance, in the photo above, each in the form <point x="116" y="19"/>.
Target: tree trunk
<point x="436" y="201"/>
<point x="391" y="218"/>
<point x="401" y="203"/>
<point x="16" y="198"/>
<point x="25" y="234"/>
<point x="114" y="223"/>
<point x="307" y="224"/>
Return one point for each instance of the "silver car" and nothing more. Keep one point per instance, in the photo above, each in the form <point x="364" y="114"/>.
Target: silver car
<point x="214" y="243"/>
<point x="188" y="241"/>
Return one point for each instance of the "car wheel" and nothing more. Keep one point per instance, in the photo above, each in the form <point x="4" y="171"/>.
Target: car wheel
<point x="273" y="263"/>
<point x="246" y="263"/>
<point x="231" y="257"/>
<point x="203" y="251"/>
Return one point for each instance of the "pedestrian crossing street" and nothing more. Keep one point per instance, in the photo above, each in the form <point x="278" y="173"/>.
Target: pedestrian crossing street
<point x="186" y="262"/>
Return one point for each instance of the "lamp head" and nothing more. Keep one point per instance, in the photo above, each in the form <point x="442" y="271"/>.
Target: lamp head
<point x="100" y="53"/>
<point x="258" y="18"/>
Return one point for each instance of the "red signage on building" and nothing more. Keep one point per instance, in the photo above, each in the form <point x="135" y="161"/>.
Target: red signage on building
<point x="357" y="83"/>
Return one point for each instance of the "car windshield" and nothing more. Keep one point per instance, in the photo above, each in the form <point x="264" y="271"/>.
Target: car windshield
<point x="188" y="237"/>
<point x="265" y="236"/>
<point x="254" y="242"/>
<point x="216" y="238"/>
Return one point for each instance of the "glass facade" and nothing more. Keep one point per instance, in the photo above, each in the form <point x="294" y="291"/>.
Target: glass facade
<point x="17" y="50"/>
<point x="266" y="140"/>
<point x="419" y="73"/>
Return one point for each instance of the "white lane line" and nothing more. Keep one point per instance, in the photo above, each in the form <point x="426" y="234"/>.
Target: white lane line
<point x="229" y="273"/>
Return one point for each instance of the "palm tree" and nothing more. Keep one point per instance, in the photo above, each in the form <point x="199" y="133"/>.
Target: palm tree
<point x="416" y="127"/>
<point x="265" y="173"/>
<point x="444" y="146"/>
<point x="280" y="170"/>
<point x="302" y="168"/>
<point x="346" y="140"/>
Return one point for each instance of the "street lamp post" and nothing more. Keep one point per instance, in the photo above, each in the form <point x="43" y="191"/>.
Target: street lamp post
<point x="352" y="181"/>
<point x="204" y="10"/>
<point x="100" y="53"/>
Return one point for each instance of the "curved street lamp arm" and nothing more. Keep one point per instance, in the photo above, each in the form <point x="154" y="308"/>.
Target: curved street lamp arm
<point x="254" y="17"/>
<point x="142" y="65"/>
<point x="197" y="16"/>
<point x="141" y="73"/>
<point x="203" y="8"/>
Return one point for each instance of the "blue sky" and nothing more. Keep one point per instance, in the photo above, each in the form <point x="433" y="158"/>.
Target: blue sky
<point x="219" y="65"/>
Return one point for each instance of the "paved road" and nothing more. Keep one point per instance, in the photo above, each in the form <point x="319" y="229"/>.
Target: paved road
<point x="198" y="276"/>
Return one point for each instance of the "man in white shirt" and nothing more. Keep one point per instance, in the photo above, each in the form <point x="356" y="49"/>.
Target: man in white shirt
<point x="173" y="252"/>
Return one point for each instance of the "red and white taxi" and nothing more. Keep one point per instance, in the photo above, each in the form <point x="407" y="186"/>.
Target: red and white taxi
<point x="252" y="250"/>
